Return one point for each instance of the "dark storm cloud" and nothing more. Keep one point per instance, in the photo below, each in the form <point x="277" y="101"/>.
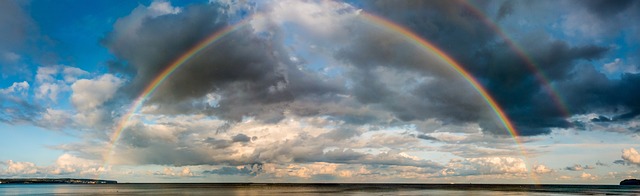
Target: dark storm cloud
<point x="605" y="8"/>
<point x="424" y="137"/>
<point x="504" y="73"/>
<point x="252" y="75"/>
<point x="505" y="9"/>
<point x="241" y="138"/>
<point x="620" y="162"/>
<point x="16" y="29"/>
<point x="594" y="92"/>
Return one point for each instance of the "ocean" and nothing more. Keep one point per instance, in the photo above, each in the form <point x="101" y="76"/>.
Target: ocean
<point x="312" y="189"/>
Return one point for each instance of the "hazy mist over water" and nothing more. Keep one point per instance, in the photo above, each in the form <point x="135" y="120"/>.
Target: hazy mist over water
<point x="315" y="189"/>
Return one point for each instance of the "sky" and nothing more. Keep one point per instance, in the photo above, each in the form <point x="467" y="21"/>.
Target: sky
<point x="484" y="91"/>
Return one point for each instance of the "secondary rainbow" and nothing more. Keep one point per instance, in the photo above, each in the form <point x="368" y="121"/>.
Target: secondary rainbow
<point x="533" y="67"/>
<point x="420" y="42"/>
<point x="409" y="35"/>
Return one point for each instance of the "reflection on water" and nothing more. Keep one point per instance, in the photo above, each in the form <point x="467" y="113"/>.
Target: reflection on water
<point x="310" y="189"/>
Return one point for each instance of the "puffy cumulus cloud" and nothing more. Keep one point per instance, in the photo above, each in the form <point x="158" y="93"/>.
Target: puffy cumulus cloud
<point x="171" y="172"/>
<point x="88" y="95"/>
<point x="245" y="148"/>
<point x="71" y="74"/>
<point x="15" y="105"/>
<point x="322" y="171"/>
<point x="55" y="119"/>
<point x="13" y="168"/>
<point x="20" y="88"/>
<point x="542" y="169"/>
<point x="631" y="156"/>
<point x="66" y="165"/>
<point x="52" y="80"/>
<point x="588" y="176"/>
<point x="486" y="166"/>
<point x="91" y="93"/>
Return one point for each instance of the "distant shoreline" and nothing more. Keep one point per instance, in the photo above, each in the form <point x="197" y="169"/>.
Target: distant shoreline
<point x="55" y="181"/>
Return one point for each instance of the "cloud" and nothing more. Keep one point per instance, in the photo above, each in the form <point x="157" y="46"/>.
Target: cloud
<point x="602" y="164"/>
<point x="604" y="8"/>
<point x="617" y="65"/>
<point x="588" y="176"/>
<point x="247" y="170"/>
<point x="447" y="26"/>
<point x="89" y="94"/>
<point x="620" y="162"/>
<point x="17" y="87"/>
<point x="485" y="166"/>
<point x="170" y="172"/>
<point x="542" y="169"/>
<point x="578" y="167"/>
<point x="505" y="9"/>
<point x="48" y="81"/>
<point x="19" y="168"/>
<point x="16" y="28"/>
<point x="66" y="165"/>
<point x="631" y="156"/>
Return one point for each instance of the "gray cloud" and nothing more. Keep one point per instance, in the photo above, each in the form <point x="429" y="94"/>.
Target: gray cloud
<point x="605" y="8"/>
<point x="506" y="75"/>
<point x="247" y="170"/>
<point x="505" y="9"/>
<point x="578" y="167"/>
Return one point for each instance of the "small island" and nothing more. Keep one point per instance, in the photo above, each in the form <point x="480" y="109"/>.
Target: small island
<point x="55" y="181"/>
<point x="630" y="182"/>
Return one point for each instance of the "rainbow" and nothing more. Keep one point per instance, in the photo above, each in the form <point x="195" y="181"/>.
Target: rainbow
<point x="533" y="67"/>
<point x="153" y="85"/>
<point x="420" y="42"/>
<point x="379" y="21"/>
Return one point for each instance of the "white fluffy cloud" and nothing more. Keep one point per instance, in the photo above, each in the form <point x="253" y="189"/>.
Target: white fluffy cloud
<point x="588" y="176"/>
<point x="630" y="155"/>
<point x="128" y="26"/>
<point x="52" y="80"/>
<point x="486" y="166"/>
<point x="618" y="65"/>
<point x="89" y="94"/>
<point x="16" y="87"/>
<point x="14" y="168"/>
<point x="168" y="171"/>
<point x="541" y="169"/>
<point x="65" y="165"/>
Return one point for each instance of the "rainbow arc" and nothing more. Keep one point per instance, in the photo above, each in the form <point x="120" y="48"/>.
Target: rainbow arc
<point x="376" y="20"/>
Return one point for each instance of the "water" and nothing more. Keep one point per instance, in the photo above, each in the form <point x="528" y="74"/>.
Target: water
<point x="313" y="189"/>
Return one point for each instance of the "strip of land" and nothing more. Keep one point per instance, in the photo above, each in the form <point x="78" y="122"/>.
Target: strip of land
<point x="55" y="181"/>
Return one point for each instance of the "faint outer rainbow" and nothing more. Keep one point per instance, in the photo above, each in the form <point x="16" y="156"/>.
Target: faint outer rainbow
<point x="533" y="67"/>
<point x="409" y="35"/>
<point x="420" y="42"/>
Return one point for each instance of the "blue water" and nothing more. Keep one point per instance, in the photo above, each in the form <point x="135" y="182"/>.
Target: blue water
<point x="313" y="189"/>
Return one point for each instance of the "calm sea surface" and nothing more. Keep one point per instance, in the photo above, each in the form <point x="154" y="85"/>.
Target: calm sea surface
<point x="313" y="189"/>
